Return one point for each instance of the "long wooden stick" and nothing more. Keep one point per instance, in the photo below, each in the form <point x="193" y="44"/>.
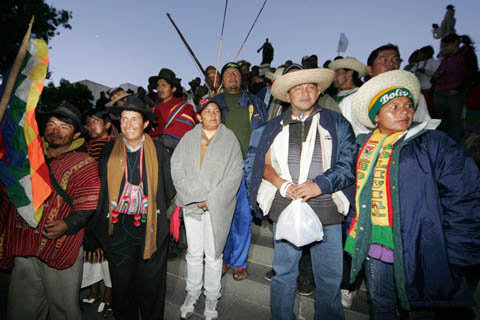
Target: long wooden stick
<point x="251" y="28"/>
<point x="17" y="64"/>
<point x="220" y="44"/>
<point x="207" y="81"/>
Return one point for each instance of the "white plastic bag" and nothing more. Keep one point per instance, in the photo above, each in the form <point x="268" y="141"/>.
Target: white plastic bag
<point x="299" y="224"/>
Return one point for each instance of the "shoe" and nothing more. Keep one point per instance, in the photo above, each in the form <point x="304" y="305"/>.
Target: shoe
<point x="188" y="306"/>
<point x="347" y="298"/>
<point x="269" y="275"/>
<point x="239" y="273"/>
<point x="86" y="302"/>
<point x="305" y="288"/>
<point x="210" y="311"/>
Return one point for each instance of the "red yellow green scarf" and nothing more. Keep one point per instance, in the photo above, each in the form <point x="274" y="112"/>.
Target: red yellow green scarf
<point x="374" y="158"/>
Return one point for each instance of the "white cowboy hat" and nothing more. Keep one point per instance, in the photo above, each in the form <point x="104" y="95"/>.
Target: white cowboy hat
<point x="370" y="90"/>
<point x="348" y="63"/>
<point x="275" y="75"/>
<point x="321" y="76"/>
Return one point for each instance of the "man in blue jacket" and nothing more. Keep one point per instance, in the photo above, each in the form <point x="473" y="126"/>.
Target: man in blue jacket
<point x="308" y="152"/>
<point x="242" y="112"/>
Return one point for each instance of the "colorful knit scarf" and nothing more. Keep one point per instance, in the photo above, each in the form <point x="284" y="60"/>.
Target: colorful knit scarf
<point x="374" y="159"/>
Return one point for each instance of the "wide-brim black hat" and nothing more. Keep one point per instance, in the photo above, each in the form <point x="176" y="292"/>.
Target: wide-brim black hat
<point x="67" y="110"/>
<point x="134" y="103"/>
<point x="167" y="75"/>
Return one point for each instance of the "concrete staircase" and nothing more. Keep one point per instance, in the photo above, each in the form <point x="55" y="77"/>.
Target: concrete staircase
<point x="250" y="298"/>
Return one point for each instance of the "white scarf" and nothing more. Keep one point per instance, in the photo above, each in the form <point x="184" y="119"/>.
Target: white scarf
<point x="279" y="159"/>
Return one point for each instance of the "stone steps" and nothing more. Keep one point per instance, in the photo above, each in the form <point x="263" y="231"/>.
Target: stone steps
<point x="249" y="298"/>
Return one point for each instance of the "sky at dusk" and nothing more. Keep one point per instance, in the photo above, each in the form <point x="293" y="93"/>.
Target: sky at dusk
<point x="114" y="42"/>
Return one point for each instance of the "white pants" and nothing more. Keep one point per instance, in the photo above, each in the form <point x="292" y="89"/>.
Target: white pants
<point x="201" y="244"/>
<point x="94" y="272"/>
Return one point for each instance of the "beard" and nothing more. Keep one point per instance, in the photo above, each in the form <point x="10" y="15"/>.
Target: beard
<point x="233" y="88"/>
<point x="51" y="141"/>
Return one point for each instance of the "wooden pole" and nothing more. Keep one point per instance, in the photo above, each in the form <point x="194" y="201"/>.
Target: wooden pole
<point x="207" y="81"/>
<point x="17" y="64"/>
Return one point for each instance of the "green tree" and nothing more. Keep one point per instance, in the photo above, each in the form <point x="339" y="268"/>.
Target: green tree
<point x="15" y="16"/>
<point x="76" y="93"/>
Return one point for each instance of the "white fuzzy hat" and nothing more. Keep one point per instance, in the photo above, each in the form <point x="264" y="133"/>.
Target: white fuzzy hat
<point x="370" y="90"/>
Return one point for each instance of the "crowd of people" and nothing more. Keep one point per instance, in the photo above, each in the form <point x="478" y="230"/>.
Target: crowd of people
<point x="379" y="154"/>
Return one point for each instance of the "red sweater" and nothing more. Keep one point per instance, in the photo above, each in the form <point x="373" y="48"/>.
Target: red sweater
<point x="173" y="120"/>
<point x="78" y="172"/>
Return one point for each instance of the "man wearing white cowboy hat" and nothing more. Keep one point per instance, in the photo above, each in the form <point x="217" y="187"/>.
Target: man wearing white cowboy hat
<point x="307" y="152"/>
<point x="348" y="72"/>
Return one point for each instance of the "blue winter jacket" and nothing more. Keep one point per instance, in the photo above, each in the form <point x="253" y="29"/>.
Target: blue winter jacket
<point x="435" y="187"/>
<point x="246" y="99"/>
<point x="341" y="174"/>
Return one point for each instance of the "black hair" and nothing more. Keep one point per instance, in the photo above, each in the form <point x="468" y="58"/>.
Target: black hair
<point x="204" y="106"/>
<point x="99" y="113"/>
<point x="452" y="37"/>
<point x="67" y="120"/>
<point x="466" y="40"/>
<point x="356" y="79"/>
<point x="374" y="54"/>
<point x="144" y="117"/>
<point x="428" y="51"/>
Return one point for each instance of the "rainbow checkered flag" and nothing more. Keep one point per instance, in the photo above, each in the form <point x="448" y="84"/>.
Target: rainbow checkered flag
<point x="23" y="169"/>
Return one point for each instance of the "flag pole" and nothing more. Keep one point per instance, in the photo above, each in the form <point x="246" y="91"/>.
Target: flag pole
<point x="17" y="64"/>
<point x="249" y="31"/>
<point x="220" y="44"/>
<point x="207" y="81"/>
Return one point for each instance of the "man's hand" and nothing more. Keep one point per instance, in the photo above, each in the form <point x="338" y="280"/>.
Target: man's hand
<point x="305" y="190"/>
<point x="203" y="205"/>
<point x="54" y="230"/>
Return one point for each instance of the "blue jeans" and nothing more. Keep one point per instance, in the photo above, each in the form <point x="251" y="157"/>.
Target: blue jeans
<point x="381" y="286"/>
<point x="327" y="264"/>
<point x="235" y="253"/>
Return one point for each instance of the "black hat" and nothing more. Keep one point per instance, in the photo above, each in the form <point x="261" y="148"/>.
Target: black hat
<point x="134" y="103"/>
<point x="169" y="76"/>
<point x="293" y="66"/>
<point x="230" y="65"/>
<point x="66" y="110"/>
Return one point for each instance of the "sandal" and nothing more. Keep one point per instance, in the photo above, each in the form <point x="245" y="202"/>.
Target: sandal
<point x="86" y="302"/>
<point x="107" y="310"/>
<point x="239" y="273"/>
<point x="224" y="269"/>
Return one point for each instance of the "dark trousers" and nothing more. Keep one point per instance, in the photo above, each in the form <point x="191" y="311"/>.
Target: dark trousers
<point x="347" y="265"/>
<point x="449" y="109"/>
<point x="139" y="283"/>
